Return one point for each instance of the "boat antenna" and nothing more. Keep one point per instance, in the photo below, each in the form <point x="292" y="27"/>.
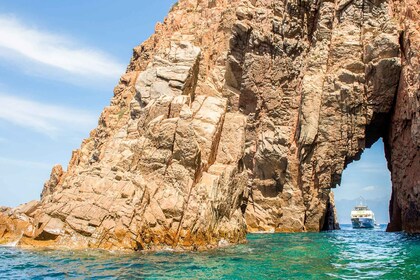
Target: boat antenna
<point x="362" y="200"/>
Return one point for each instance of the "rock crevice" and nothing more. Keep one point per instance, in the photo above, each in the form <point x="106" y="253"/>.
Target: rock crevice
<point x="239" y="116"/>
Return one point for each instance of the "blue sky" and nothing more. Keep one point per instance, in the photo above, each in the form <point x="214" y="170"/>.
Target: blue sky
<point x="59" y="62"/>
<point x="370" y="178"/>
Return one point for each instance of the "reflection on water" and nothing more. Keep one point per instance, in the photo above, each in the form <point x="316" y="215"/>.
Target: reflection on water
<point x="345" y="254"/>
<point x="370" y="253"/>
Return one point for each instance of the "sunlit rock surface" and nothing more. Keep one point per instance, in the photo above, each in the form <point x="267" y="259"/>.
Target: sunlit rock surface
<point x="403" y="150"/>
<point x="239" y="116"/>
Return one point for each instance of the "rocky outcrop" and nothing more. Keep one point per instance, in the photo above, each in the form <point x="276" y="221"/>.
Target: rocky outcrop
<point x="238" y="116"/>
<point x="55" y="177"/>
<point x="403" y="141"/>
<point x="312" y="119"/>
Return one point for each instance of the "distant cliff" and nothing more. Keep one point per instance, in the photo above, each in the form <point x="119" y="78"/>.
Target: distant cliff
<point x="240" y="116"/>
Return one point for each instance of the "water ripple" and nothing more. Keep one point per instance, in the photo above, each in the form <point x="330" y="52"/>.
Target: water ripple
<point x="346" y="254"/>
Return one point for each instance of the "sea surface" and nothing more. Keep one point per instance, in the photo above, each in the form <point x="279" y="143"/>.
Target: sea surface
<point x="344" y="254"/>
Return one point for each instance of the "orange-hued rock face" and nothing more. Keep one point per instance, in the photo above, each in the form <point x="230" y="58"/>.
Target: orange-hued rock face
<point x="239" y="116"/>
<point x="403" y="150"/>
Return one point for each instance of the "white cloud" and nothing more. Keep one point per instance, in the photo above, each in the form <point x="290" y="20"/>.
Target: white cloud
<point x="369" y="188"/>
<point x="21" y="42"/>
<point x="24" y="163"/>
<point x="371" y="167"/>
<point x="47" y="119"/>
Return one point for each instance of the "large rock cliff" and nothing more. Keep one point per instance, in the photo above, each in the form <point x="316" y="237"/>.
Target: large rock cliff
<point x="240" y="116"/>
<point x="403" y="138"/>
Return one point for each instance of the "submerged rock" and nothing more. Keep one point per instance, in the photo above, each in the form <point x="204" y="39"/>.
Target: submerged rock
<point x="239" y="116"/>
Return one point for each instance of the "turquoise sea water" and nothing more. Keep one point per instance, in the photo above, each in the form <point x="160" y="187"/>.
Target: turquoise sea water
<point x="344" y="254"/>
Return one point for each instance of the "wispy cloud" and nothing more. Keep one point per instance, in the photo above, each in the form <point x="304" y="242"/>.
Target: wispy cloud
<point x="371" y="167"/>
<point x="369" y="188"/>
<point x="44" y="118"/>
<point x="24" y="163"/>
<point x="21" y="42"/>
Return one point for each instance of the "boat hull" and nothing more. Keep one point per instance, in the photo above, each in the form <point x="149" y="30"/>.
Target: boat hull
<point x="363" y="223"/>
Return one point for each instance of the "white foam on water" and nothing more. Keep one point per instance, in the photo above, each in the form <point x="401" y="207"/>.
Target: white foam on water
<point x="168" y="249"/>
<point x="265" y="231"/>
<point x="13" y="243"/>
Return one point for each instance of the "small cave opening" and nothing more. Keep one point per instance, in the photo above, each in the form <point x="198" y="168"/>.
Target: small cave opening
<point x="368" y="181"/>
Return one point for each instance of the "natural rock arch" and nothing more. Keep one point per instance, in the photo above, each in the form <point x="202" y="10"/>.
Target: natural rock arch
<point x="239" y="116"/>
<point x="367" y="179"/>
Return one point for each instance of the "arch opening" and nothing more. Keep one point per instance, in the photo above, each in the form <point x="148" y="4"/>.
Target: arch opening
<point x="367" y="177"/>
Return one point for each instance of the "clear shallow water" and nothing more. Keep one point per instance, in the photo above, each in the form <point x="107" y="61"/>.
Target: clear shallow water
<point x="345" y="254"/>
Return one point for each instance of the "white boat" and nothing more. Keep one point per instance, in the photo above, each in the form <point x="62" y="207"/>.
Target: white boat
<point x="362" y="217"/>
